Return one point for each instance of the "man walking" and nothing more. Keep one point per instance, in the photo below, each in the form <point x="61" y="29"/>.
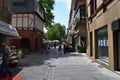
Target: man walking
<point x="5" y="60"/>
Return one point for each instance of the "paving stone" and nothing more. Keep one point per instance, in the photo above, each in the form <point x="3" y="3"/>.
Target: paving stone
<point x="70" y="66"/>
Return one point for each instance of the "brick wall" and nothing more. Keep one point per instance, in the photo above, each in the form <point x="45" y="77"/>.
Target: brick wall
<point x="32" y="36"/>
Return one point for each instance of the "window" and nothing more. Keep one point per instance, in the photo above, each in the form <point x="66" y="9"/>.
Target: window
<point x="92" y="6"/>
<point x="3" y="5"/>
<point x="19" y="3"/>
<point x="102" y="44"/>
<point x="40" y="9"/>
<point x="81" y="15"/>
<point x="97" y="5"/>
<point x="77" y="16"/>
<point x="99" y="2"/>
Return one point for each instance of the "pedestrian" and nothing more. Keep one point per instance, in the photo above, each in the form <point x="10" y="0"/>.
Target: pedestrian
<point x="60" y="48"/>
<point x="55" y="45"/>
<point x="44" y="49"/>
<point x="47" y="48"/>
<point x="5" y="60"/>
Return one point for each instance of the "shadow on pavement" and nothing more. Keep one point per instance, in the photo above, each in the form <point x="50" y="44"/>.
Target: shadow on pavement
<point x="39" y="59"/>
<point x="72" y="54"/>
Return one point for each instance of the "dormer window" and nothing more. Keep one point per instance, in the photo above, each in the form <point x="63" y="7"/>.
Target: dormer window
<point x="19" y="3"/>
<point x="40" y="9"/>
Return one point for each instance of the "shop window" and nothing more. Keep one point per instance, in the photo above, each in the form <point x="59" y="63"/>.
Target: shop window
<point x="102" y="44"/>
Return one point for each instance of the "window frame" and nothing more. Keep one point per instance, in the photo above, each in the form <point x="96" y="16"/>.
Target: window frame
<point x="19" y="4"/>
<point x="81" y="12"/>
<point x="102" y="44"/>
<point x="94" y="10"/>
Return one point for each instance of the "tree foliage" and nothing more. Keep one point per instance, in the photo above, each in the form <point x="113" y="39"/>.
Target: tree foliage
<point x="48" y="7"/>
<point x="56" y="32"/>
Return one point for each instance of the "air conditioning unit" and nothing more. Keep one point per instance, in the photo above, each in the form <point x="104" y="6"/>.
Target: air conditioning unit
<point x="116" y="24"/>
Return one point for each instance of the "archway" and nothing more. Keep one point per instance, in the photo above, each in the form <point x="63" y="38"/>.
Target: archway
<point x="25" y="43"/>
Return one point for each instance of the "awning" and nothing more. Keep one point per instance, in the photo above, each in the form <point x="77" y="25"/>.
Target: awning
<point x="7" y="29"/>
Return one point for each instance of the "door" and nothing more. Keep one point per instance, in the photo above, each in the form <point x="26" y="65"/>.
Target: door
<point x="25" y="43"/>
<point x="119" y="50"/>
<point x="91" y="45"/>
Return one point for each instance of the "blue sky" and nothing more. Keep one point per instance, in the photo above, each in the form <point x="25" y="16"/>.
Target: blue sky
<point x="61" y="11"/>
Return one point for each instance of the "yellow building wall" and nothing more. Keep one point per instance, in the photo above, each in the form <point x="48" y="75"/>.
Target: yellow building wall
<point x="106" y="18"/>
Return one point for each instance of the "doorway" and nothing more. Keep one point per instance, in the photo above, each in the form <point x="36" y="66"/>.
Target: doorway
<point x="25" y="43"/>
<point x="91" y="45"/>
<point x="36" y="44"/>
<point x="118" y="47"/>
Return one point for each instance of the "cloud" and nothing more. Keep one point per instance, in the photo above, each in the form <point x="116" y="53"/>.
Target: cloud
<point x="66" y="2"/>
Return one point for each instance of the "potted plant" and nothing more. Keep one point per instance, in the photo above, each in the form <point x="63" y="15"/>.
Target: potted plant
<point x="81" y="49"/>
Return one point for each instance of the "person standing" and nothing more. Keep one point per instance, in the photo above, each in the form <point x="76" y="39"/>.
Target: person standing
<point x="60" y="48"/>
<point x="44" y="49"/>
<point x="5" y="60"/>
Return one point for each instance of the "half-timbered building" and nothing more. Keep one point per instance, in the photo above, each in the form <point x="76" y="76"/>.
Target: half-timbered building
<point x="28" y="18"/>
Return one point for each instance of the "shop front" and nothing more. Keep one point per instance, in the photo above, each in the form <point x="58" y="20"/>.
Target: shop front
<point x="102" y="44"/>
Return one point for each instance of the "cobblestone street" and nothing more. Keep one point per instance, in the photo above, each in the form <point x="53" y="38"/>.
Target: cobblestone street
<point x="70" y="66"/>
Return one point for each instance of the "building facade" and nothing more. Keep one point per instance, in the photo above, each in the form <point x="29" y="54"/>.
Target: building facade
<point x="6" y="30"/>
<point x="28" y="18"/>
<point x="77" y="24"/>
<point x="103" y="30"/>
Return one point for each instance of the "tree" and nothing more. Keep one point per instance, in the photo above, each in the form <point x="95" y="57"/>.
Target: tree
<point x="48" y="7"/>
<point x="56" y="32"/>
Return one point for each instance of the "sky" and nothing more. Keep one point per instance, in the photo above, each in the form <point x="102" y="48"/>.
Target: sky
<point x="61" y="11"/>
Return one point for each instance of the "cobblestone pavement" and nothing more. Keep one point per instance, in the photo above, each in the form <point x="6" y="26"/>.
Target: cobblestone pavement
<point x="70" y="66"/>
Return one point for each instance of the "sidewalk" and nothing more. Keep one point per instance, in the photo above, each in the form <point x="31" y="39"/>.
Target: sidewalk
<point x="70" y="66"/>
